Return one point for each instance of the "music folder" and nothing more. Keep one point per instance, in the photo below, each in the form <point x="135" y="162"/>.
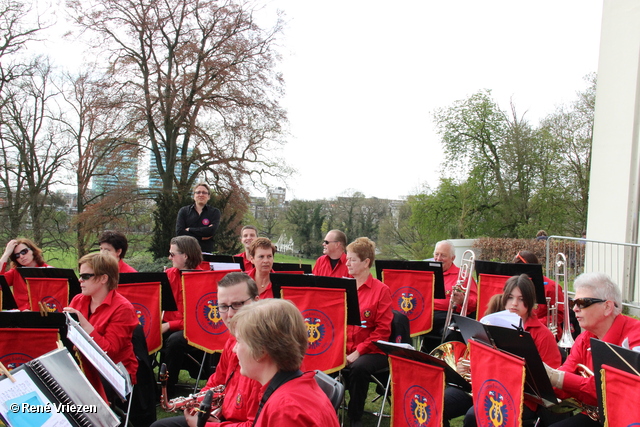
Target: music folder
<point x="534" y="271"/>
<point x="452" y="377"/>
<point x="278" y="280"/>
<point x="8" y="302"/>
<point x="168" y="302"/>
<point x="291" y="266"/>
<point x="52" y="381"/>
<point x="54" y="273"/>
<point x="435" y="266"/>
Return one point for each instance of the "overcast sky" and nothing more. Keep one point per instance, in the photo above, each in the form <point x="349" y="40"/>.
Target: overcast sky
<point x="364" y="77"/>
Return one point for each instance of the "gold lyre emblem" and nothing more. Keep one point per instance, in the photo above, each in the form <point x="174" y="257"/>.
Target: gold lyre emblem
<point x="495" y="411"/>
<point x="313" y="330"/>
<point x="420" y="410"/>
<point x="213" y="314"/>
<point x="407" y="302"/>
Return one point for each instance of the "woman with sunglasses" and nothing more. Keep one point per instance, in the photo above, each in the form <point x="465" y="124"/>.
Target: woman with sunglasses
<point x="22" y="253"/>
<point x="518" y="298"/>
<point x="107" y="316"/>
<point x="598" y="307"/>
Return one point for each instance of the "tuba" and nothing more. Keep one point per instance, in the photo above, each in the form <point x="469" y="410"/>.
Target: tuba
<point x="465" y="279"/>
<point x="452" y="353"/>
<point x="193" y="400"/>
<point x="566" y="341"/>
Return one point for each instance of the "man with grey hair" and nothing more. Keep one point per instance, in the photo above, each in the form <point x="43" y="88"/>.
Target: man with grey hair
<point x="598" y="307"/>
<point x="333" y="262"/>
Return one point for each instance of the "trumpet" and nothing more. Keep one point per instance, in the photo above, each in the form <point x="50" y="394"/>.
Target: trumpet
<point x="465" y="279"/>
<point x="193" y="400"/>
<point x="566" y="341"/>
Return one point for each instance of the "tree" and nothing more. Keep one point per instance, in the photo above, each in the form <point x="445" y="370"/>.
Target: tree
<point x="305" y="220"/>
<point x="202" y="84"/>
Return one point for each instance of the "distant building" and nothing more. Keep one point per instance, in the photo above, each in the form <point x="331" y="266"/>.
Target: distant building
<point x="155" y="183"/>
<point x="278" y="195"/>
<point x="119" y="170"/>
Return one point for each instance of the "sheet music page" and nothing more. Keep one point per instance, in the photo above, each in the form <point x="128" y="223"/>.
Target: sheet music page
<point x="23" y="404"/>
<point x="221" y="266"/>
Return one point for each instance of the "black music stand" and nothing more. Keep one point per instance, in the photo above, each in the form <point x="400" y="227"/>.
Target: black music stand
<point x="471" y="328"/>
<point x="224" y="259"/>
<point x="291" y="266"/>
<point x="168" y="302"/>
<point x="34" y="320"/>
<point x="618" y="357"/>
<point x="53" y="273"/>
<point x="534" y="271"/>
<point x="278" y="280"/>
<point x="8" y="301"/>
<point x="435" y="266"/>
<point x="451" y="376"/>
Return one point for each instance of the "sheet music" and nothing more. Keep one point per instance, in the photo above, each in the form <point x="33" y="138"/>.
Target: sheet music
<point x="25" y="392"/>
<point x="221" y="266"/>
<point x="116" y="375"/>
<point x="398" y="344"/>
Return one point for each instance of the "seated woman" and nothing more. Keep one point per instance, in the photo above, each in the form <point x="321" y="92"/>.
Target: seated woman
<point x="518" y="297"/>
<point x="363" y="357"/>
<point x="185" y="254"/>
<point x="22" y="253"/>
<point x="262" y="251"/>
<point x="116" y="244"/>
<point x="271" y="343"/>
<point x="107" y="316"/>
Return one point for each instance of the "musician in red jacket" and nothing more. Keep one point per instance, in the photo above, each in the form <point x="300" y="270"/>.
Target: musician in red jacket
<point x="333" y="262"/>
<point x="598" y="307"/>
<point x="248" y="234"/>
<point x="116" y="244"/>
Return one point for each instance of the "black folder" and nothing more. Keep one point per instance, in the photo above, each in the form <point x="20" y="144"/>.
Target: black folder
<point x="435" y="266"/>
<point x="291" y="266"/>
<point x="278" y="280"/>
<point x="8" y="302"/>
<point x="54" y="273"/>
<point x="534" y="271"/>
<point x="168" y="302"/>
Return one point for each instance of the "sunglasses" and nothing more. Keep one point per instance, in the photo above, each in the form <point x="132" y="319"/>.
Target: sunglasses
<point x="583" y="303"/>
<point x="21" y="253"/>
<point x="86" y="276"/>
<point x="200" y="192"/>
<point x="326" y="242"/>
<point x="172" y="254"/>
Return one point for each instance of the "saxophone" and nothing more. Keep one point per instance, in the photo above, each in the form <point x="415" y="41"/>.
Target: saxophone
<point x="193" y="400"/>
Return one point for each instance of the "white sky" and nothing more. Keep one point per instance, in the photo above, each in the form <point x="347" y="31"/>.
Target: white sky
<point x="364" y="77"/>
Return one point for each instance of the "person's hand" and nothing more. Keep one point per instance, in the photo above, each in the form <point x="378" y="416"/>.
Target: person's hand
<point x="84" y="323"/>
<point x="191" y="417"/>
<point x="458" y="298"/>
<point x="8" y="251"/>
<point x="352" y="357"/>
<point x="555" y="376"/>
<point x="164" y="327"/>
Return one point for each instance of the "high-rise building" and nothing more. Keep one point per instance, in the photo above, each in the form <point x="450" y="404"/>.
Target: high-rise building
<point x="119" y="170"/>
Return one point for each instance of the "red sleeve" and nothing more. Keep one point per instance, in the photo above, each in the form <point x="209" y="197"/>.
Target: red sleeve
<point x="381" y="323"/>
<point x="118" y="332"/>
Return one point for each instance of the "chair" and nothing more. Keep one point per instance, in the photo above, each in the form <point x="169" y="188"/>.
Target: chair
<point x="333" y="388"/>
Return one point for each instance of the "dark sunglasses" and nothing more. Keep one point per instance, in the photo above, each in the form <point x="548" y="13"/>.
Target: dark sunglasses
<point x="21" y="253"/>
<point x="326" y="242"/>
<point x="86" y="276"/>
<point x="583" y="303"/>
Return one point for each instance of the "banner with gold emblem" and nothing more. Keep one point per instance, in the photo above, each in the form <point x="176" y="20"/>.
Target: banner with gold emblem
<point x="47" y="293"/>
<point x="412" y="295"/>
<point x="619" y="388"/>
<point x="417" y="392"/>
<point x="497" y="381"/>
<point x="145" y="298"/>
<point x="325" y="314"/>
<point x="488" y="286"/>
<point x="203" y="325"/>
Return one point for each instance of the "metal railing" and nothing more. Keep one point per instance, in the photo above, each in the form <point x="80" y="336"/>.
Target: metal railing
<point x="618" y="260"/>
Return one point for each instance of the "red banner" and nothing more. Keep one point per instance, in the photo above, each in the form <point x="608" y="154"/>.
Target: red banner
<point x="145" y="298"/>
<point x="488" y="286"/>
<point x="53" y="293"/>
<point x="619" y="390"/>
<point x="417" y="393"/>
<point x="203" y="326"/>
<point x="497" y="380"/>
<point x="18" y="345"/>
<point x="325" y="314"/>
<point x="412" y="295"/>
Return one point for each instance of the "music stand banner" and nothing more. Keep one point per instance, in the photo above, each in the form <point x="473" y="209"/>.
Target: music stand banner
<point x="619" y="390"/>
<point x="20" y="345"/>
<point x="498" y="386"/>
<point x="412" y="294"/>
<point x="488" y="286"/>
<point x="203" y="325"/>
<point x="145" y="298"/>
<point x="51" y="293"/>
<point x="325" y="315"/>
<point x="417" y="393"/>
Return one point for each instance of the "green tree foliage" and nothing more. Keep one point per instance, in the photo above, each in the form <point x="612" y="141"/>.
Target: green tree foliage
<point x="305" y="219"/>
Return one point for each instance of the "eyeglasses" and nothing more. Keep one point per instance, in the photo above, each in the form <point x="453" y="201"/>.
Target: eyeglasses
<point x="583" y="303"/>
<point x="172" y="254"/>
<point x="234" y="305"/>
<point x="200" y="192"/>
<point x="326" y="242"/>
<point x="86" y="276"/>
<point x="21" y="253"/>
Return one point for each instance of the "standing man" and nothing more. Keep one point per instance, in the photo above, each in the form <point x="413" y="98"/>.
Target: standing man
<point x="248" y="234"/>
<point x="445" y="252"/>
<point x="199" y="220"/>
<point x="333" y="262"/>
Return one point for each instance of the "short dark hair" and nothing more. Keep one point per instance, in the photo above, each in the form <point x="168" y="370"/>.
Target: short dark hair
<point x="527" y="289"/>
<point x="340" y="237"/>
<point x="202" y="184"/>
<point x="525" y="257"/>
<point x="189" y="246"/>
<point x="115" y="239"/>
<point x="249" y="227"/>
<point x="237" y="278"/>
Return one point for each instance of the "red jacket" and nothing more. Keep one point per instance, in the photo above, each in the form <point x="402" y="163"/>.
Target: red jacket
<point x="323" y="267"/>
<point x="266" y="292"/>
<point x="550" y="291"/>
<point x="14" y="278"/>
<point x="175" y="318"/>
<point x="123" y="267"/>
<point x="450" y="279"/>
<point x="248" y="265"/>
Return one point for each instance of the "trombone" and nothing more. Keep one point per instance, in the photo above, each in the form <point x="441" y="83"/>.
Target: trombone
<point x="560" y="270"/>
<point x="465" y="280"/>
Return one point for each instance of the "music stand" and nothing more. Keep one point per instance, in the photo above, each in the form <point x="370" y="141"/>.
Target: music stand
<point x="290" y="266"/>
<point x="613" y="355"/>
<point x="451" y="376"/>
<point x="53" y="273"/>
<point x="471" y="328"/>
<point x="278" y="280"/>
<point x="168" y="302"/>
<point x="534" y="271"/>
<point x="8" y="301"/>
<point x="436" y="267"/>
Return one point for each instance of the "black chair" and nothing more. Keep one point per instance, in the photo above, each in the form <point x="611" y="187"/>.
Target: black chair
<point x="333" y="388"/>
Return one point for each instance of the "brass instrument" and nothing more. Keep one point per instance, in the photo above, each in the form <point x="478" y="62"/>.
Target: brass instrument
<point x="188" y="402"/>
<point x="452" y="353"/>
<point x="566" y="341"/>
<point x="573" y="403"/>
<point x="465" y="279"/>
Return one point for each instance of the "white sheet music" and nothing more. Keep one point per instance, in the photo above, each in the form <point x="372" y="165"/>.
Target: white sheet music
<point x="221" y="266"/>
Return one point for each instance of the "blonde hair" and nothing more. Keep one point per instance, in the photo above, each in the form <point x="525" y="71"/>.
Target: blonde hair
<point x="364" y="248"/>
<point x="103" y="264"/>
